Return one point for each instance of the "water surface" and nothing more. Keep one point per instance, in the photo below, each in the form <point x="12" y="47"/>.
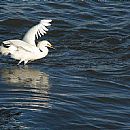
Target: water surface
<point x="84" y="83"/>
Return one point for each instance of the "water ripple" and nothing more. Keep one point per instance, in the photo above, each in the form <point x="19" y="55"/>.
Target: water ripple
<point x="84" y="83"/>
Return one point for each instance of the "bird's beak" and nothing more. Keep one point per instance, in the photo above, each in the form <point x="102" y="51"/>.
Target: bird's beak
<point x="52" y="47"/>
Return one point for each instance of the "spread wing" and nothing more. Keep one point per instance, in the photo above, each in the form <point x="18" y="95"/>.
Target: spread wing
<point x="36" y="31"/>
<point x="15" y="45"/>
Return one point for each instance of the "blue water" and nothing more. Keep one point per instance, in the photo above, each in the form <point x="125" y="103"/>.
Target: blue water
<point x="82" y="85"/>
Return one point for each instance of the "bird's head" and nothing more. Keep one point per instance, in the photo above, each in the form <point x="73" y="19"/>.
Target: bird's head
<point x="43" y="44"/>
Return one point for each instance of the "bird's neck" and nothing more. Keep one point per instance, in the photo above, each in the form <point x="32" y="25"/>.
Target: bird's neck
<point x="43" y="52"/>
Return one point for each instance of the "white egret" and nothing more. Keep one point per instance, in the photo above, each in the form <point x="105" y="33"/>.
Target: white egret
<point x="26" y="49"/>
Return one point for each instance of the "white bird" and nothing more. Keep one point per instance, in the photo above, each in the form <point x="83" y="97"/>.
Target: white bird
<point x="26" y="49"/>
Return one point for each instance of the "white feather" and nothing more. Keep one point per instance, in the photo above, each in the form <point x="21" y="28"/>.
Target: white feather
<point x="19" y="44"/>
<point x="36" y="31"/>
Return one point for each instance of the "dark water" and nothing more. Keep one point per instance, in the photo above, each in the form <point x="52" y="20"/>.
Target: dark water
<point x="82" y="85"/>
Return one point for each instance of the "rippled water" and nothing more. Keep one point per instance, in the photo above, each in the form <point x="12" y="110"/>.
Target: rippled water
<point x="84" y="83"/>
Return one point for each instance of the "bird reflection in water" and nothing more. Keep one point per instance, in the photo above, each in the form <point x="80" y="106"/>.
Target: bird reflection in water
<point x="31" y="84"/>
<point x="25" y="75"/>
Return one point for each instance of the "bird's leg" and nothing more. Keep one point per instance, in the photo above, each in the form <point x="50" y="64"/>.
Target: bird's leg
<point x="25" y="62"/>
<point x="19" y="62"/>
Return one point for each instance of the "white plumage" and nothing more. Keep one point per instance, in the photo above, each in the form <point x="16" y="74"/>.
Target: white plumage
<point x="26" y="50"/>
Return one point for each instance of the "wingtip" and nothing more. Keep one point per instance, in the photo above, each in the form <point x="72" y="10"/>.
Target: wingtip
<point x="46" y="20"/>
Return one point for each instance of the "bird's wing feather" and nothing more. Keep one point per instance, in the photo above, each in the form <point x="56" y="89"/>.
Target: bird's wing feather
<point x="36" y="31"/>
<point x="19" y="44"/>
